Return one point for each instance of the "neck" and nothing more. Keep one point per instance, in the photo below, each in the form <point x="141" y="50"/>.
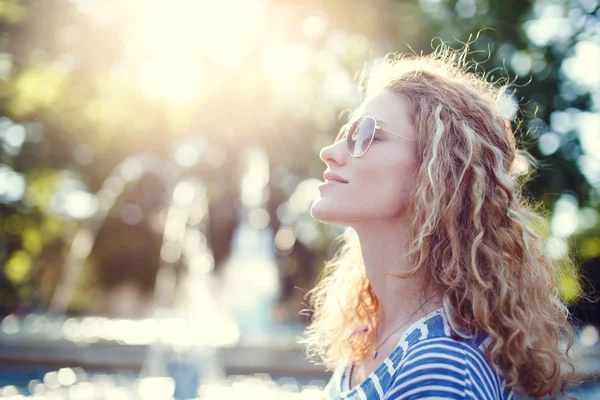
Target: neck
<point x="383" y="246"/>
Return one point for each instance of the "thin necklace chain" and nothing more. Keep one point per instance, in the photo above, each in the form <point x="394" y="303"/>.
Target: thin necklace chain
<point x="376" y="348"/>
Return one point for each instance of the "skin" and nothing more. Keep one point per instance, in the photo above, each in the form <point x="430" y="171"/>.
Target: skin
<point x="373" y="203"/>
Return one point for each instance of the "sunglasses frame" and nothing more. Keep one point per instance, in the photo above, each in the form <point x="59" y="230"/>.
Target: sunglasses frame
<point x="375" y="129"/>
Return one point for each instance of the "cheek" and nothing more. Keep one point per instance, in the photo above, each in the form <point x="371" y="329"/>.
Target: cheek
<point x="390" y="186"/>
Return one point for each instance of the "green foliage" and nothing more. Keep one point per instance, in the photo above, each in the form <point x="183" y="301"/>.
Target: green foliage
<point x="11" y="11"/>
<point x="33" y="89"/>
<point x="94" y="82"/>
<point x="18" y="267"/>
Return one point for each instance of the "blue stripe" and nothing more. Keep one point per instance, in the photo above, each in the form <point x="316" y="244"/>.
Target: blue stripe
<point x="482" y="375"/>
<point x="426" y="391"/>
<point x="435" y="365"/>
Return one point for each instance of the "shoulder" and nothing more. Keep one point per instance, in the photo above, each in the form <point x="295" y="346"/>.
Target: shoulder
<point x="444" y="368"/>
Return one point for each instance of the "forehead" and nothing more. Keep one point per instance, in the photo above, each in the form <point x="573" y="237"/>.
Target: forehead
<point x="389" y="108"/>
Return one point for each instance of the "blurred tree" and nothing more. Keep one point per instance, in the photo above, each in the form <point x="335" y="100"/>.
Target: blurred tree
<point x="85" y="84"/>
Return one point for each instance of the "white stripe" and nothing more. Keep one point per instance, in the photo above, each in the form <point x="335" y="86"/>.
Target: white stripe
<point x="453" y="356"/>
<point x="487" y="389"/>
<point x="472" y="355"/>
<point x="440" y="341"/>
<point x="419" y="378"/>
<point x="486" y="343"/>
<point x="424" y="331"/>
<point x="485" y="378"/>
<point x="429" y="366"/>
<point x="457" y="360"/>
<point x="402" y="376"/>
<point x="390" y="366"/>
<point x="476" y="385"/>
<point x="404" y="346"/>
<point x="436" y="376"/>
<point x="447" y="328"/>
<point x="377" y="386"/>
<point x="406" y="359"/>
<point x="361" y="394"/>
<point x="504" y="388"/>
<point x="439" y="344"/>
<point x="432" y="387"/>
<point x="344" y="396"/>
<point x="429" y="398"/>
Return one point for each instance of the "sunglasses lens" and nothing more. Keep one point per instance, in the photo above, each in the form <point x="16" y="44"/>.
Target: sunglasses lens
<point x="360" y="136"/>
<point x="341" y="134"/>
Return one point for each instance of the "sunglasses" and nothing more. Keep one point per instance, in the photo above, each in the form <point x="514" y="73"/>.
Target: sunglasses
<point x="359" y="135"/>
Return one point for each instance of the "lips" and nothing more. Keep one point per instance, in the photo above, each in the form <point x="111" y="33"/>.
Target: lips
<point x="330" y="176"/>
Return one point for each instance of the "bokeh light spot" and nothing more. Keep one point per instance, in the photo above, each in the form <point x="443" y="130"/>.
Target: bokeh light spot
<point x="131" y="214"/>
<point x="285" y="238"/>
<point x="18" y="267"/>
<point x="259" y="218"/>
<point x="549" y="142"/>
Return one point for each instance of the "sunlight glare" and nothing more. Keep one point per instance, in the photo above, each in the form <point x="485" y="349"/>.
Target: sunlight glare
<point x="170" y="41"/>
<point x="582" y="67"/>
<point x="565" y="220"/>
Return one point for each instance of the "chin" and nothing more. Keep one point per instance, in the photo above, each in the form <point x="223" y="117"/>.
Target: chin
<point x="328" y="215"/>
<point x="317" y="211"/>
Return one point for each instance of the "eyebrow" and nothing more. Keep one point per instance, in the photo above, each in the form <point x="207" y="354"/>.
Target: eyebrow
<point x="379" y="122"/>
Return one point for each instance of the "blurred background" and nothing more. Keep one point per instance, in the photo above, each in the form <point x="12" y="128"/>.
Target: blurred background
<point x="158" y="160"/>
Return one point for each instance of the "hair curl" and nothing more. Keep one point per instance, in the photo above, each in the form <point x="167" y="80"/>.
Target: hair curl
<point x="472" y="233"/>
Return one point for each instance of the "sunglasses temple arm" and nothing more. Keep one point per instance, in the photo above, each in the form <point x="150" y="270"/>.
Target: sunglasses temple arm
<point x="395" y="134"/>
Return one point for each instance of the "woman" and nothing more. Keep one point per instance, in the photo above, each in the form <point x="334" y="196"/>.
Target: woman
<point x="441" y="288"/>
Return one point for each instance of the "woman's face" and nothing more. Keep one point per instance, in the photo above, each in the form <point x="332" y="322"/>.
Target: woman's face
<point x="378" y="182"/>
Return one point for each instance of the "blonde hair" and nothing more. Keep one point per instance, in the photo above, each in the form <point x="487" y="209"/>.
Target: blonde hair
<point x="471" y="233"/>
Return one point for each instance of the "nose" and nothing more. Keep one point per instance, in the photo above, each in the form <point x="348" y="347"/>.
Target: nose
<point x="335" y="153"/>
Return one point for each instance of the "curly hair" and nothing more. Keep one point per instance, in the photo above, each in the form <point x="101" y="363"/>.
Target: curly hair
<point x="472" y="233"/>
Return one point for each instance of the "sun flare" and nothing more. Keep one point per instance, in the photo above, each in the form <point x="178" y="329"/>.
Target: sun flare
<point x="168" y="42"/>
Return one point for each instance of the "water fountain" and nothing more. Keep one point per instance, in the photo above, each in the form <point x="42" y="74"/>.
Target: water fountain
<point x="179" y="348"/>
<point x="251" y="279"/>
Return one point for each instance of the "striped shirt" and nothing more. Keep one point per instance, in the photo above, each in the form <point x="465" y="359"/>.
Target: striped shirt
<point x="427" y="363"/>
